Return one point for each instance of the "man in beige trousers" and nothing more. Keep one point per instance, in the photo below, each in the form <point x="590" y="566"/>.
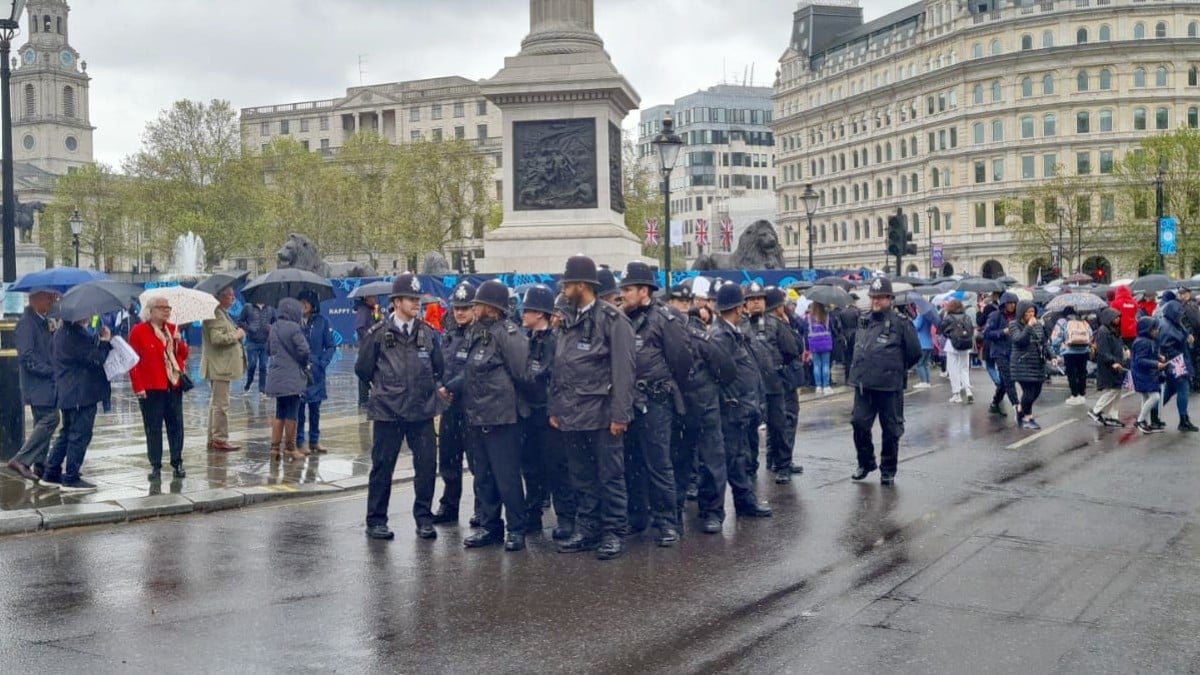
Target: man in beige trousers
<point x="222" y="361"/>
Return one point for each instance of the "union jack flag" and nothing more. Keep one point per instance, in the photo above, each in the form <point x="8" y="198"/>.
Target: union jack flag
<point x="701" y="232"/>
<point x="726" y="234"/>
<point x="652" y="232"/>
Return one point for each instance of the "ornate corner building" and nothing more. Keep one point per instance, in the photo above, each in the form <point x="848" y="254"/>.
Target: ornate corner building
<point x="948" y="108"/>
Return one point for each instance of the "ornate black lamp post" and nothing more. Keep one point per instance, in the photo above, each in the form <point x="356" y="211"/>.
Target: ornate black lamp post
<point x="668" y="143"/>
<point x="811" y="201"/>
<point x="9" y="26"/>
<point x="76" y="222"/>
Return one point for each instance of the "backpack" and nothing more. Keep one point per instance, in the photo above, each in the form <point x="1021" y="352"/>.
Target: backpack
<point x="960" y="335"/>
<point x="1079" y="333"/>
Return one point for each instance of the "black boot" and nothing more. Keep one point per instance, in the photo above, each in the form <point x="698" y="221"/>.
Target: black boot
<point x="1185" y="424"/>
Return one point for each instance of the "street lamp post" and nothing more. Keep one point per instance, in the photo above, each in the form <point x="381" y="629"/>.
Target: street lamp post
<point x="76" y="222"/>
<point x="811" y="201"/>
<point x="929" y="229"/>
<point x="668" y="144"/>
<point x="9" y="26"/>
<point x="1159" y="212"/>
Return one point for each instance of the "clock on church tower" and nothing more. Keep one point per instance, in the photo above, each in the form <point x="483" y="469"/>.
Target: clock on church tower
<point x="51" y="126"/>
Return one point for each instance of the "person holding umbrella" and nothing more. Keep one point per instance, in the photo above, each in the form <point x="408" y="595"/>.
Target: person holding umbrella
<point x="286" y="376"/>
<point x="222" y="361"/>
<point x="321" y="349"/>
<point x="157" y="382"/>
<point x="81" y="384"/>
<point x="819" y="347"/>
<point x="34" y="338"/>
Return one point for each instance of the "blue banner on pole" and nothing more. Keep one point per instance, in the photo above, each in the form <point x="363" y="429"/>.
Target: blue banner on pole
<point x="1168" y="228"/>
<point x="937" y="257"/>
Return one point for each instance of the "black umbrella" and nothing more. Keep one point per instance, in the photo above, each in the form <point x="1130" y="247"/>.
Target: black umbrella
<point x="829" y="295"/>
<point x="373" y="288"/>
<point x="274" y="286"/>
<point x="913" y="281"/>
<point x="800" y="285"/>
<point x="1153" y="283"/>
<point x="220" y="281"/>
<point x="1008" y="281"/>
<point x="834" y="281"/>
<point x="95" y="297"/>
<point x="1042" y="296"/>
<point x="980" y="285"/>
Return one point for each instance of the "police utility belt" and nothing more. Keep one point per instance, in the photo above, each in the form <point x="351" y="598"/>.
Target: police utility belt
<point x="660" y="391"/>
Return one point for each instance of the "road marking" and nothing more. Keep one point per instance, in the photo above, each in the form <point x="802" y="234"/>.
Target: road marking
<point x="1044" y="432"/>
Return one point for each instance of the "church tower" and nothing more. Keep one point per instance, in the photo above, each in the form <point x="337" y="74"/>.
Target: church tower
<point x="51" y="125"/>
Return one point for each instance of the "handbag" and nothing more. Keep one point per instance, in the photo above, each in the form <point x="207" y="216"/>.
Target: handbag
<point x="185" y="382"/>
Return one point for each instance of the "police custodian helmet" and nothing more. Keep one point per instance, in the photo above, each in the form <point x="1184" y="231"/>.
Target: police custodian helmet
<point x="729" y="296"/>
<point x="463" y="295"/>
<point x="639" y="274"/>
<point x="539" y="298"/>
<point x="406" y="286"/>
<point x="580" y="268"/>
<point x="493" y="294"/>
<point x="607" y="284"/>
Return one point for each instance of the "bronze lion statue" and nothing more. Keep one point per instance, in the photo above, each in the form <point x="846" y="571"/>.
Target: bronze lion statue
<point x="298" y="252"/>
<point x="757" y="249"/>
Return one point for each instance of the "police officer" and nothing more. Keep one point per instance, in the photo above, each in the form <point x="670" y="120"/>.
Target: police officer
<point x="608" y="291"/>
<point x="487" y="384"/>
<point x="679" y="300"/>
<point x="452" y="431"/>
<point x="737" y="403"/>
<point x="543" y="459"/>
<point x="400" y="358"/>
<point x="591" y="402"/>
<point x="663" y="362"/>
<point x="761" y="353"/>
<point x="779" y="350"/>
<point x="885" y="347"/>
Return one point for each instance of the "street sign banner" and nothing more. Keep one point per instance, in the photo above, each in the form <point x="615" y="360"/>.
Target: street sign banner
<point x="1168" y="227"/>
<point x="937" y="257"/>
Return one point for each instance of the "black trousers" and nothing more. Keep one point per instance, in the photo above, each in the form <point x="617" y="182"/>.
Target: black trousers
<point x="1076" y="367"/>
<point x="751" y="449"/>
<point x="452" y="444"/>
<point x="385" y="448"/>
<point x="544" y="466"/>
<point x="1030" y="391"/>
<point x="1007" y="386"/>
<point x="163" y="408"/>
<point x="733" y="433"/>
<point x="791" y="415"/>
<point x="364" y="391"/>
<point x="649" y="473"/>
<point x="889" y="407"/>
<point x="498" y="466"/>
<point x="596" y="460"/>
<point x="779" y="449"/>
<point x="702" y="439"/>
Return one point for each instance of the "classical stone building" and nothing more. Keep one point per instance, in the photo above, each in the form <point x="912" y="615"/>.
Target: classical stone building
<point x="727" y="167"/>
<point x="400" y="112"/>
<point x="947" y="108"/>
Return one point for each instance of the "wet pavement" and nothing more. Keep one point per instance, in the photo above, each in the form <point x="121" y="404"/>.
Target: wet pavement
<point x="1073" y="550"/>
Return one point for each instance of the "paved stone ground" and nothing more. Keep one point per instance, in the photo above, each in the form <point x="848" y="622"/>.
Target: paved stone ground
<point x="116" y="460"/>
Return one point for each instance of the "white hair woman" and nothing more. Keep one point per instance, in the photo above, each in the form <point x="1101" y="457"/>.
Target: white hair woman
<point x="157" y="381"/>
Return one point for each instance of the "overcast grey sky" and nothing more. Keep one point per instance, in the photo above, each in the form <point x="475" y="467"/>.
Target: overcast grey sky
<point x="145" y="54"/>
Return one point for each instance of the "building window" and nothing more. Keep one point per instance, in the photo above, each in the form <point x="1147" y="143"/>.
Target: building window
<point x="1139" y="31"/>
<point x="304" y="145"/>
<point x="1105" y="79"/>
<point x="1083" y="163"/>
<point x="304" y="126"/>
<point x="1160" y="30"/>
<point x="1139" y="119"/>
<point x="323" y="124"/>
<point x="1108" y="208"/>
<point x="997" y="131"/>
<point x="1047" y="39"/>
<point x="1106" y="161"/>
<point x="1027" y="87"/>
<point x="997" y="170"/>
<point x="977" y="94"/>
<point x="977" y="130"/>
<point x="980" y="214"/>
<point x="414" y="136"/>
<point x="460" y="133"/>
<point x="68" y="102"/>
<point x="1192" y="76"/>
<point x="1027" y="167"/>
<point x="1160" y="76"/>
<point x="1193" y="117"/>
<point x="1050" y="125"/>
<point x="1106" y="120"/>
<point x="1082" y="81"/>
<point x="1081" y="36"/>
<point x="481" y="132"/>
<point x="284" y="127"/>
<point x="1105" y="33"/>
<point x="1193" y="29"/>
<point x="1026" y="42"/>
<point x="1083" y="122"/>
<point x="481" y="107"/>
<point x="414" y="114"/>
<point x="1162" y="119"/>
<point x="996" y="94"/>
<point x="1139" y="77"/>
<point x="1048" y="85"/>
<point x="1049" y="165"/>
<point x="324" y="143"/>
<point x="977" y="51"/>
<point x="1083" y="208"/>
<point x="435" y="111"/>
<point x="30" y="109"/>
<point x="980" y="171"/>
<point x="459" y="109"/>
<point x="1027" y="126"/>
<point x="995" y="48"/>
<point x="264" y="129"/>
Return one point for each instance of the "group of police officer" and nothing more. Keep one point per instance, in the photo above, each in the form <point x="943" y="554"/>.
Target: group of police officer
<point x="613" y="412"/>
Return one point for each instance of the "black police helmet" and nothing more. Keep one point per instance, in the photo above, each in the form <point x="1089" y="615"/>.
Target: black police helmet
<point x="729" y="296"/>
<point x="754" y="290"/>
<point x="539" y="298"/>
<point x="639" y="274"/>
<point x="406" y="286"/>
<point x="607" y="284"/>
<point x="775" y="298"/>
<point x="680" y="292"/>
<point x="493" y="294"/>
<point x="580" y="268"/>
<point x="463" y="295"/>
<point x="881" y="287"/>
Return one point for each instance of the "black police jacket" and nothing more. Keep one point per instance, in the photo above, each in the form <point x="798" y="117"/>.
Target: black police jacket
<point x="885" y="347"/>
<point x="712" y="369"/>
<point x="592" y="382"/>
<point x="35" y="355"/>
<point x="662" y="358"/>
<point x="774" y="344"/>
<point x="454" y="351"/>
<point x="405" y="372"/>
<point x="535" y="385"/>
<point x="496" y="356"/>
<point x="743" y="394"/>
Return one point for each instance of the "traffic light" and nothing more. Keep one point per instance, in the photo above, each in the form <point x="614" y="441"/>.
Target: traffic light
<point x="895" y="236"/>
<point x="909" y="247"/>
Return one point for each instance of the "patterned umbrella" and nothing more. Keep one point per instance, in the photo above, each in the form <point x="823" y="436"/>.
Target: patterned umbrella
<point x="1082" y="302"/>
<point x="187" y="304"/>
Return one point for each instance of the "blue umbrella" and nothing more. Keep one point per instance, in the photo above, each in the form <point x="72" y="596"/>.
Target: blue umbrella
<point x="57" y="279"/>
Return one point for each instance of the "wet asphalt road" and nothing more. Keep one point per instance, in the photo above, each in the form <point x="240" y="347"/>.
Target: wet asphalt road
<point x="1068" y="552"/>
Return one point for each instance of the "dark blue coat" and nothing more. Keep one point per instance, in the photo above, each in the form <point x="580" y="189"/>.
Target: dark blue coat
<point x="79" y="367"/>
<point x="35" y="352"/>
<point x="1144" y="363"/>
<point x="289" y="352"/>
<point x="1172" y="336"/>
<point x="995" y="330"/>
<point x="321" y="348"/>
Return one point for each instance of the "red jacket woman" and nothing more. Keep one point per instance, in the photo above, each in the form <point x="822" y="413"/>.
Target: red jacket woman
<point x="158" y="383"/>
<point x="150" y="373"/>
